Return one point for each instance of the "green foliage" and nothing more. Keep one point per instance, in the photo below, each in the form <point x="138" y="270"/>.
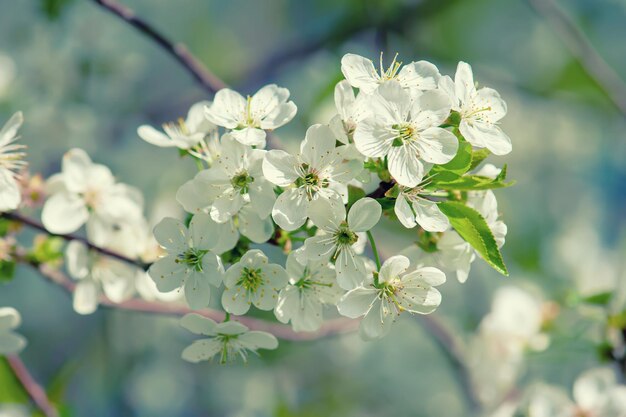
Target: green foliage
<point x="478" y="156"/>
<point x="458" y="166"/>
<point x="54" y="8"/>
<point x="47" y="249"/>
<point x="11" y="390"/>
<point x="5" y="225"/>
<point x="354" y="194"/>
<point x="600" y="299"/>
<point x="476" y="182"/>
<point x="474" y="229"/>
<point x="7" y="270"/>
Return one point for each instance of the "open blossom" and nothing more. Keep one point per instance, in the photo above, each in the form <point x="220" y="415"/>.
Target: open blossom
<point x="412" y="207"/>
<point x="596" y="393"/>
<point x="85" y="192"/>
<point x="395" y="291"/>
<point x="236" y="180"/>
<point x="10" y="342"/>
<point x="11" y="161"/>
<point x="184" y="134"/>
<point x="190" y="261"/>
<point x="351" y="110"/>
<point x="319" y="171"/>
<point x="229" y="339"/>
<point x="361" y="73"/>
<point x="480" y="111"/>
<point x="252" y="280"/>
<point x="96" y="274"/>
<point x="406" y="130"/>
<point x="311" y="285"/>
<point x="338" y="236"/>
<point x="249" y="118"/>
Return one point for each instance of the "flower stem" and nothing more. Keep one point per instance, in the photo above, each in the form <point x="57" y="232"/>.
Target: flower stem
<point x="35" y="391"/>
<point x="373" y="245"/>
<point x="227" y="317"/>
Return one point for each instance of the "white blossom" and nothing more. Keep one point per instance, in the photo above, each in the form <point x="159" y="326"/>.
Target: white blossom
<point x="480" y="111"/>
<point x="596" y="393"/>
<point x="85" y="192"/>
<point x="319" y="171"/>
<point x="229" y="339"/>
<point x="97" y="274"/>
<point x="233" y="182"/>
<point x="184" y="134"/>
<point x="338" y="236"/>
<point x="190" y="261"/>
<point x="351" y="110"/>
<point x="311" y="285"/>
<point x="252" y="280"/>
<point x="11" y="161"/>
<point x="396" y="290"/>
<point x="412" y="207"/>
<point x="362" y="74"/>
<point x="406" y="130"/>
<point x="10" y="342"/>
<point x="249" y="118"/>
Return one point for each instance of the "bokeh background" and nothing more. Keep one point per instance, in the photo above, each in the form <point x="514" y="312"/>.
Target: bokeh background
<point x="83" y="78"/>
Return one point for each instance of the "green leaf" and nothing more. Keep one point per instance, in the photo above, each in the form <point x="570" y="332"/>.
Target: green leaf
<point x="354" y="194"/>
<point x="474" y="183"/>
<point x="7" y="271"/>
<point x="458" y="166"/>
<point x="474" y="229"/>
<point x="600" y="299"/>
<point x="54" y="8"/>
<point x="478" y="156"/>
<point x="12" y="391"/>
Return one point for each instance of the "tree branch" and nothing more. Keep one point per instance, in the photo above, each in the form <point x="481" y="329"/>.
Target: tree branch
<point x="36" y="393"/>
<point x="579" y="45"/>
<point x="14" y="216"/>
<point x="206" y="78"/>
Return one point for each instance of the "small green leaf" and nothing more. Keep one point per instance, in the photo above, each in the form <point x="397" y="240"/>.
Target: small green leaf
<point x="7" y="271"/>
<point x="458" y="166"/>
<point x="600" y="299"/>
<point x="474" y="183"/>
<point x="478" y="156"/>
<point x="474" y="229"/>
<point x="354" y="194"/>
<point x="12" y="391"/>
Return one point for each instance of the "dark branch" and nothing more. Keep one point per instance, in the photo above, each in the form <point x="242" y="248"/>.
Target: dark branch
<point x="206" y="78"/>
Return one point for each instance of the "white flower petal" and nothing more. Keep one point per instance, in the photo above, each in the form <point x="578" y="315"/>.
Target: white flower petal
<point x="404" y="212"/>
<point x="86" y="297"/>
<point x="364" y="214"/>
<point x="10" y="196"/>
<point x="254" y="340"/>
<point x="290" y="209"/>
<point x="279" y="167"/>
<point x="437" y="145"/>
<point x="198" y="324"/>
<point x="235" y="300"/>
<point x="429" y="217"/>
<point x="282" y="115"/>
<point x="154" y="137"/>
<point x="11" y="343"/>
<point x="393" y="267"/>
<point x="405" y="166"/>
<point x="77" y="259"/>
<point x="318" y="144"/>
<point x="202" y="350"/>
<point x="357" y="302"/>
<point x="486" y="135"/>
<point x="227" y="109"/>
<point x="64" y="213"/>
<point x="172" y="235"/>
<point x="351" y="272"/>
<point x="376" y="323"/>
<point x="360" y="72"/>
<point x="9" y="318"/>
<point x="250" y="136"/>
<point x="197" y="290"/>
<point x="327" y="214"/>
<point x="253" y="227"/>
<point x="464" y="82"/>
<point x="167" y="273"/>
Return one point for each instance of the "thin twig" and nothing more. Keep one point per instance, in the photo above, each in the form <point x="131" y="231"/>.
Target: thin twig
<point x="579" y="45"/>
<point x="329" y="328"/>
<point x="454" y="353"/>
<point x="36" y="393"/>
<point x="206" y="78"/>
<point x="14" y="216"/>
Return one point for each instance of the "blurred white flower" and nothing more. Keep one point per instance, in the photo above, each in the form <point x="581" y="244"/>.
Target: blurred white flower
<point x="229" y="339"/>
<point x="319" y="171"/>
<point x="185" y="134"/>
<point x="380" y="303"/>
<point x="7" y="73"/>
<point x="406" y="130"/>
<point x="311" y="285"/>
<point x="10" y="342"/>
<point x="11" y="161"/>
<point x="190" y="261"/>
<point x="361" y="73"/>
<point x="338" y="235"/>
<point x="596" y="393"/>
<point x="97" y="273"/>
<point x="249" y="118"/>
<point x="480" y="111"/>
<point x="85" y="192"/>
<point x="252" y="280"/>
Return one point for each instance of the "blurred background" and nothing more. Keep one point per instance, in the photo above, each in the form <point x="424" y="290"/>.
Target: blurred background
<point x="84" y="78"/>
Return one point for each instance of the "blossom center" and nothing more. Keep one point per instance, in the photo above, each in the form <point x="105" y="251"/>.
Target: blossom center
<point x="392" y="71"/>
<point x="344" y="236"/>
<point x="250" y="119"/>
<point x="310" y="180"/>
<point x="192" y="258"/>
<point x="404" y="133"/>
<point x="251" y="279"/>
<point x="241" y="182"/>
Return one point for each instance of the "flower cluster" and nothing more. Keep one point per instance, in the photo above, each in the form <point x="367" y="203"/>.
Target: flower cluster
<point x="406" y="144"/>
